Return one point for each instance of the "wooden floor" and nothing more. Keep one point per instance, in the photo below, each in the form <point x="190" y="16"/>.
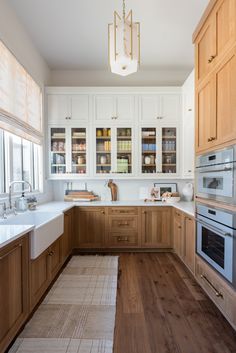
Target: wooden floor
<point x="161" y="309"/>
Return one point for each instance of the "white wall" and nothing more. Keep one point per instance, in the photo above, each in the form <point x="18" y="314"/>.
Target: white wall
<point x="106" y="78"/>
<point x="127" y="189"/>
<point x="14" y="36"/>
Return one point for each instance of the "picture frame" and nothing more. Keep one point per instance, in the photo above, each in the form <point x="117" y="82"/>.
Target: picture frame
<point x="161" y="188"/>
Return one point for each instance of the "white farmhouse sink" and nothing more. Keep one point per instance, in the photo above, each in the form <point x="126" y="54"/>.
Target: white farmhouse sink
<point x="49" y="226"/>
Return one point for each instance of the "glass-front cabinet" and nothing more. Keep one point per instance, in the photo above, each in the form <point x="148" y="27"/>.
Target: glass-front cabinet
<point x="58" y="157"/>
<point x="158" y="150"/>
<point x="114" y="150"/>
<point x="68" y="151"/>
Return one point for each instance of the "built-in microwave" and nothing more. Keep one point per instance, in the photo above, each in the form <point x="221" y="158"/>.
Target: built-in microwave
<point x="216" y="175"/>
<point x="216" y="242"/>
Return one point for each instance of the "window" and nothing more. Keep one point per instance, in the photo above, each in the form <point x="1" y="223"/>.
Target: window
<point x="20" y="159"/>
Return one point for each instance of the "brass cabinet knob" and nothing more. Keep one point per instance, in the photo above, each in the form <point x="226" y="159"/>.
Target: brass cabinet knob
<point x="102" y="212"/>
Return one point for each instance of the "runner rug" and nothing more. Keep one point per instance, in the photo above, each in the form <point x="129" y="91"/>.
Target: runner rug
<point x="78" y="314"/>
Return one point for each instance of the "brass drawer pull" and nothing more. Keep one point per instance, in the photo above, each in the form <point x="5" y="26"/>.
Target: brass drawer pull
<point x="10" y="252"/>
<point x="123" y="239"/>
<point x="123" y="224"/>
<point x="217" y="293"/>
<point x="211" y="59"/>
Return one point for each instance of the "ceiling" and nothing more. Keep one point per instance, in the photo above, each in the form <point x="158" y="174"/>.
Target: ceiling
<point x="72" y="34"/>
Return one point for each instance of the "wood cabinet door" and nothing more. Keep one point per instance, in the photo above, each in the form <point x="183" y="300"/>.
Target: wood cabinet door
<point x="178" y="234"/>
<point x="225" y="15"/>
<point x="55" y="258"/>
<point x="226" y="98"/>
<point x="39" y="277"/>
<point x="205" y="49"/>
<point x="156" y="227"/>
<point x="189" y="243"/>
<point x="14" y="264"/>
<point x="206" y="124"/>
<point x="66" y="239"/>
<point x="90" y="228"/>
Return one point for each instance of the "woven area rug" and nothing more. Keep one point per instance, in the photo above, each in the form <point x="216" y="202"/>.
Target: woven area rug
<point x="78" y="314"/>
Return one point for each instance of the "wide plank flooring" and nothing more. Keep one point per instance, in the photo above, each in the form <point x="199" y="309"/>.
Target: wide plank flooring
<point x="161" y="309"/>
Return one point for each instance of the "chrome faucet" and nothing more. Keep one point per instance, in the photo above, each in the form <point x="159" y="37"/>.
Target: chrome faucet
<point x="11" y="190"/>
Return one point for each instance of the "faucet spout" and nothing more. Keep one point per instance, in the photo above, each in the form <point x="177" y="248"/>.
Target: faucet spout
<point x="11" y="186"/>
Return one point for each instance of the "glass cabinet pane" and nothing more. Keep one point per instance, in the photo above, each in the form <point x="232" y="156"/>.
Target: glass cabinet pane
<point x="149" y="150"/>
<point x="103" y="150"/>
<point x="124" y="150"/>
<point x="79" y="147"/>
<point x="58" y="150"/>
<point x="168" y="150"/>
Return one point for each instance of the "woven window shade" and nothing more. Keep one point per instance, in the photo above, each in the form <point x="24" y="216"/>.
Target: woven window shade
<point x="20" y="99"/>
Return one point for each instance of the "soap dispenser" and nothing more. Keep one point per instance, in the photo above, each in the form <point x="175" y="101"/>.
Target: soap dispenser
<point x="21" y="203"/>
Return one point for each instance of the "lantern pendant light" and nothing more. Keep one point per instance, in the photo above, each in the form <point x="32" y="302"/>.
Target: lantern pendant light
<point x="124" y="44"/>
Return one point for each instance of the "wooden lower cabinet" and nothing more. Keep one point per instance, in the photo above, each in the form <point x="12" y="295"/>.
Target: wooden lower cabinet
<point x="184" y="238"/>
<point x="217" y="289"/>
<point x="43" y="270"/>
<point x="156" y="227"/>
<point x="66" y="240"/>
<point x="90" y="227"/>
<point x="14" y="298"/>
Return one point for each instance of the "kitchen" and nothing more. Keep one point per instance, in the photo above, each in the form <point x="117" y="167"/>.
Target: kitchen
<point x="117" y="176"/>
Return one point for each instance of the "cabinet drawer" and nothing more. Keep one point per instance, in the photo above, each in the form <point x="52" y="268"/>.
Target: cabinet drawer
<point x="123" y="223"/>
<point x="123" y="210"/>
<point x="123" y="239"/>
<point x="211" y="284"/>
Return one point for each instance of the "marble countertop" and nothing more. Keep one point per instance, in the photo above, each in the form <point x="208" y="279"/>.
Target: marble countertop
<point x="61" y="206"/>
<point x="9" y="233"/>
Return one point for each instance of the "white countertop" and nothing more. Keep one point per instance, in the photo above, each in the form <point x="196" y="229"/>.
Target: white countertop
<point x="8" y="233"/>
<point x="62" y="206"/>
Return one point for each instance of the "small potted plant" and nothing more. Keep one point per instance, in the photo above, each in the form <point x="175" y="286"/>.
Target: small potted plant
<point x="32" y="203"/>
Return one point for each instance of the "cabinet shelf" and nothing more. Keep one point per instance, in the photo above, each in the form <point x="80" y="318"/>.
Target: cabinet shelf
<point x="103" y="137"/>
<point x="149" y="165"/>
<point x="58" y="138"/>
<point x="174" y="152"/>
<point x="148" y="137"/>
<point x="78" y="138"/>
<point x="79" y="165"/>
<point x="169" y="137"/>
<point x="58" y="152"/>
<point x="108" y="152"/>
<point x="169" y="165"/>
<point x="103" y="165"/>
<point x="124" y="138"/>
<point x="124" y="152"/>
<point x="79" y="152"/>
<point x="58" y="165"/>
<point x="149" y="152"/>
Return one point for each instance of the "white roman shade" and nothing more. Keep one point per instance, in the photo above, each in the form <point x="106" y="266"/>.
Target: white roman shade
<point x="20" y="99"/>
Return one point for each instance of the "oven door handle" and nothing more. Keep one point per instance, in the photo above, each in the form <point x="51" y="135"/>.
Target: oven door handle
<point x="216" y="170"/>
<point x="214" y="229"/>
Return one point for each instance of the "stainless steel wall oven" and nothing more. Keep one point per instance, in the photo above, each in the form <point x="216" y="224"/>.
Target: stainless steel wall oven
<point x="216" y="242"/>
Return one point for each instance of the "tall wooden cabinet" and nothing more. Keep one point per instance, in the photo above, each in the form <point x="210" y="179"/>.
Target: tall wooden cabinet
<point x="215" y="43"/>
<point x="14" y="299"/>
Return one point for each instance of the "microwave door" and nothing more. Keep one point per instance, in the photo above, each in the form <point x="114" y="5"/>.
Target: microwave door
<point x="216" y="247"/>
<point x="217" y="183"/>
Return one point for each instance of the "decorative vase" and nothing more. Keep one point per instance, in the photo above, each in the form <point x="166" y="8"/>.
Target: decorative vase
<point x="188" y="192"/>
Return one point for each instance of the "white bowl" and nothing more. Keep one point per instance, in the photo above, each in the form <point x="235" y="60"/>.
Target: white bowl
<point x="173" y="199"/>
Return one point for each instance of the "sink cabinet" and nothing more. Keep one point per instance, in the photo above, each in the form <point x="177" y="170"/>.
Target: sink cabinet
<point x="66" y="240"/>
<point x="43" y="270"/>
<point x="14" y="300"/>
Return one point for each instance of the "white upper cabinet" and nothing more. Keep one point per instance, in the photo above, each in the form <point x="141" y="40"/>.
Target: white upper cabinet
<point x="114" y="108"/>
<point x="188" y="128"/>
<point x="165" y="108"/>
<point x="68" y="108"/>
<point x="58" y="108"/>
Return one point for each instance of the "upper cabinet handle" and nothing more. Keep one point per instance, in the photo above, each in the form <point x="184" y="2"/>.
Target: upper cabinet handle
<point x="211" y="59"/>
